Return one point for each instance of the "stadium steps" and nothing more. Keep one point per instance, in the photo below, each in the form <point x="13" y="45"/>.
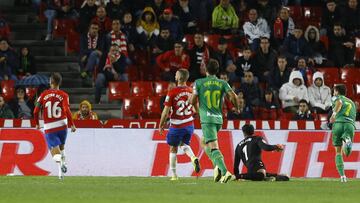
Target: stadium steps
<point x="43" y="48"/>
<point x="59" y="67"/>
<point x="17" y="18"/>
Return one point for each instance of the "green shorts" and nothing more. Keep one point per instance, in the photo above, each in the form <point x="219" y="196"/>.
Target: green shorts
<point x="340" y="131"/>
<point x="210" y="131"/>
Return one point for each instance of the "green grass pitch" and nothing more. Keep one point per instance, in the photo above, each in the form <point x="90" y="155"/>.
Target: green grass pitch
<point x="186" y="190"/>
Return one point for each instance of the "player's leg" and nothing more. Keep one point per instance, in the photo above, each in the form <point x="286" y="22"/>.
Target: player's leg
<point x="337" y="132"/>
<point x="278" y="177"/>
<point x="173" y="139"/>
<point x="53" y="144"/>
<point x="63" y="136"/>
<point x="347" y="137"/>
<point x="256" y="172"/>
<point x="185" y="146"/>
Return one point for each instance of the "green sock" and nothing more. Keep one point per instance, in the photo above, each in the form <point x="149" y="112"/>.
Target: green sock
<point x="208" y="153"/>
<point x="218" y="159"/>
<point x="339" y="164"/>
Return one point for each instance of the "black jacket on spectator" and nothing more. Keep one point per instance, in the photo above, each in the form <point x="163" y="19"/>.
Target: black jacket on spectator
<point x="196" y="59"/>
<point x="27" y="64"/>
<point x="86" y="14"/>
<point x="338" y="53"/>
<point x="157" y="9"/>
<point x="130" y="32"/>
<point x="185" y="17"/>
<point x="294" y="48"/>
<point x="351" y="20"/>
<point x="329" y="18"/>
<point x="246" y="114"/>
<point x="15" y="107"/>
<point x="11" y="63"/>
<point x="163" y="44"/>
<point x="101" y="45"/>
<point x="51" y="5"/>
<point x="276" y="79"/>
<point x="303" y="116"/>
<point x="116" y="11"/>
<point x="244" y="65"/>
<point x="223" y="59"/>
<point x="264" y="62"/>
<point x="252" y="93"/>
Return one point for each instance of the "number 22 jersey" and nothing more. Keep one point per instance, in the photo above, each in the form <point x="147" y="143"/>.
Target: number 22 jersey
<point x="56" y="110"/>
<point x="182" y="113"/>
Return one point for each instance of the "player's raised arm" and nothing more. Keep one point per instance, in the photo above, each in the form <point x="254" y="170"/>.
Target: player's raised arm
<point x="264" y="146"/>
<point x="164" y="116"/>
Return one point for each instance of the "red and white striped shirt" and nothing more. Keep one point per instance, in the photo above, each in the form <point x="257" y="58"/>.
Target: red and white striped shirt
<point x="120" y="40"/>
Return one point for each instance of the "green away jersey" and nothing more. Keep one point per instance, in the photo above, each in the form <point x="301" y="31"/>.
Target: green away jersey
<point x="347" y="113"/>
<point x="211" y="91"/>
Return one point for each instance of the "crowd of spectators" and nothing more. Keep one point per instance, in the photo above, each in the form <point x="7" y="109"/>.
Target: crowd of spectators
<point x="275" y="65"/>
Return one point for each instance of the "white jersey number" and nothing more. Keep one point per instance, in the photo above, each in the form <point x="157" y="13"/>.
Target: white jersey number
<point x="184" y="108"/>
<point x="53" y="110"/>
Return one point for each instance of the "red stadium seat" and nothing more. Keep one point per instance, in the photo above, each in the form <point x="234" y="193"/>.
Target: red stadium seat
<point x="132" y="107"/>
<point x="7" y="89"/>
<point x="296" y="12"/>
<point x="286" y="116"/>
<point x="161" y="88"/>
<point x="349" y="75"/>
<point x="312" y="12"/>
<point x="324" y="39"/>
<point x="350" y="90"/>
<point x="73" y="41"/>
<point x="31" y="92"/>
<point x="152" y="108"/>
<point x="322" y="117"/>
<point x="212" y="40"/>
<point x="133" y="73"/>
<point x="118" y="90"/>
<point x="357" y="91"/>
<point x="189" y="40"/>
<point x="62" y="27"/>
<point x="142" y="89"/>
<point x="331" y="75"/>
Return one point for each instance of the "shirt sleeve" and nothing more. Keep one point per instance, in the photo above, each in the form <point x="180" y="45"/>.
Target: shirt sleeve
<point x="227" y="87"/>
<point x="66" y="108"/>
<point x="168" y="99"/>
<point x="37" y="109"/>
<point x="196" y="88"/>
<point x="264" y="146"/>
<point x="237" y="161"/>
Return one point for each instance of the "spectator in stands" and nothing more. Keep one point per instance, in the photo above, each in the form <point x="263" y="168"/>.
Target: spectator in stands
<point x="304" y="69"/>
<point x="303" y="113"/>
<point x="317" y="47"/>
<point x="269" y="106"/>
<point x="92" y="47"/>
<point x="162" y="99"/>
<point x="114" y="70"/>
<point x="224" y="18"/>
<point x="162" y="43"/>
<point x="245" y="63"/>
<point x="147" y="26"/>
<point x="341" y="47"/>
<point x="255" y="28"/>
<point x="265" y="58"/>
<point x="27" y="63"/>
<point x="102" y="20"/>
<point x="85" y="112"/>
<point x="224" y="57"/>
<point x="4" y="29"/>
<point x="117" y="37"/>
<point x="186" y="15"/>
<point x="246" y="112"/>
<point x="266" y="10"/>
<point x="295" y="46"/>
<point x="116" y="9"/>
<point x="204" y="9"/>
<point x="167" y="19"/>
<point x="330" y="15"/>
<point x="227" y="105"/>
<point x="158" y="6"/>
<point x="319" y="94"/>
<point x="21" y="106"/>
<point x="251" y="90"/>
<point x="350" y="17"/>
<point x="279" y="75"/>
<point x="58" y="9"/>
<point x="199" y="54"/>
<point x="173" y="60"/>
<point x="283" y="26"/>
<point x="87" y="12"/>
<point x="9" y="61"/>
<point x="292" y="92"/>
<point x="129" y="29"/>
<point x="5" y="111"/>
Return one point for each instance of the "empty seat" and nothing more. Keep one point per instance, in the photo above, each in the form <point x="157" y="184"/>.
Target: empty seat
<point x="118" y="90"/>
<point x="31" y="92"/>
<point x="152" y="108"/>
<point x="161" y="88"/>
<point x="349" y="75"/>
<point x="132" y="107"/>
<point x="331" y="75"/>
<point x="142" y="89"/>
<point x="7" y="89"/>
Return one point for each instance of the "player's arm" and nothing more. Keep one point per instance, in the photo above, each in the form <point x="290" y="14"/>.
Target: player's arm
<point x="36" y="112"/>
<point x="336" y="109"/>
<point x="164" y="116"/>
<point x="233" y="98"/>
<point x="237" y="160"/>
<point x="264" y="146"/>
<point x="66" y="107"/>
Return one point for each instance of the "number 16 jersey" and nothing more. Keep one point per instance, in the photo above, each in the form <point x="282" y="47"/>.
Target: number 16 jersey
<point x="178" y="100"/>
<point x="56" y="111"/>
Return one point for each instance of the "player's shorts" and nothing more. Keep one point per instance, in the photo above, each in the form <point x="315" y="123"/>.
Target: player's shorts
<point x="340" y="131"/>
<point x="56" y="138"/>
<point x="254" y="166"/>
<point x="210" y="131"/>
<point x="176" y="136"/>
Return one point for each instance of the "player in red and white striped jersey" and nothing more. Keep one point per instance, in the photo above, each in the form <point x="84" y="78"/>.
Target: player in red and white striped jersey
<point x="181" y="121"/>
<point x="57" y="115"/>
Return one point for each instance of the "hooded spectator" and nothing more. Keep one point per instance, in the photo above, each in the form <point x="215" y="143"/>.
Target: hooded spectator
<point x="292" y="92"/>
<point x="85" y="112"/>
<point x="319" y="94"/>
<point x="147" y="26"/>
<point x="317" y="47"/>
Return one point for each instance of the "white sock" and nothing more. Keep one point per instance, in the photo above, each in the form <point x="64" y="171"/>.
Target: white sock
<point x="172" y="161"/>
<point x="57" y="159"/>
<point x="63" y="155"/>
<point x="188" y="151"/>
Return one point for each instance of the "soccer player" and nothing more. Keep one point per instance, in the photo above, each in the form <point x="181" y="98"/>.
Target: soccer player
<point x="343" y="128"/>
<point x="210" y="92"/>
<point x="181" y="121"/>
<point x="249" y="152"/>
<point x="57" y="115"/>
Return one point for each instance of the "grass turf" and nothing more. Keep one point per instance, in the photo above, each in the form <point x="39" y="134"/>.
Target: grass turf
<point x="186" y="190"/>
